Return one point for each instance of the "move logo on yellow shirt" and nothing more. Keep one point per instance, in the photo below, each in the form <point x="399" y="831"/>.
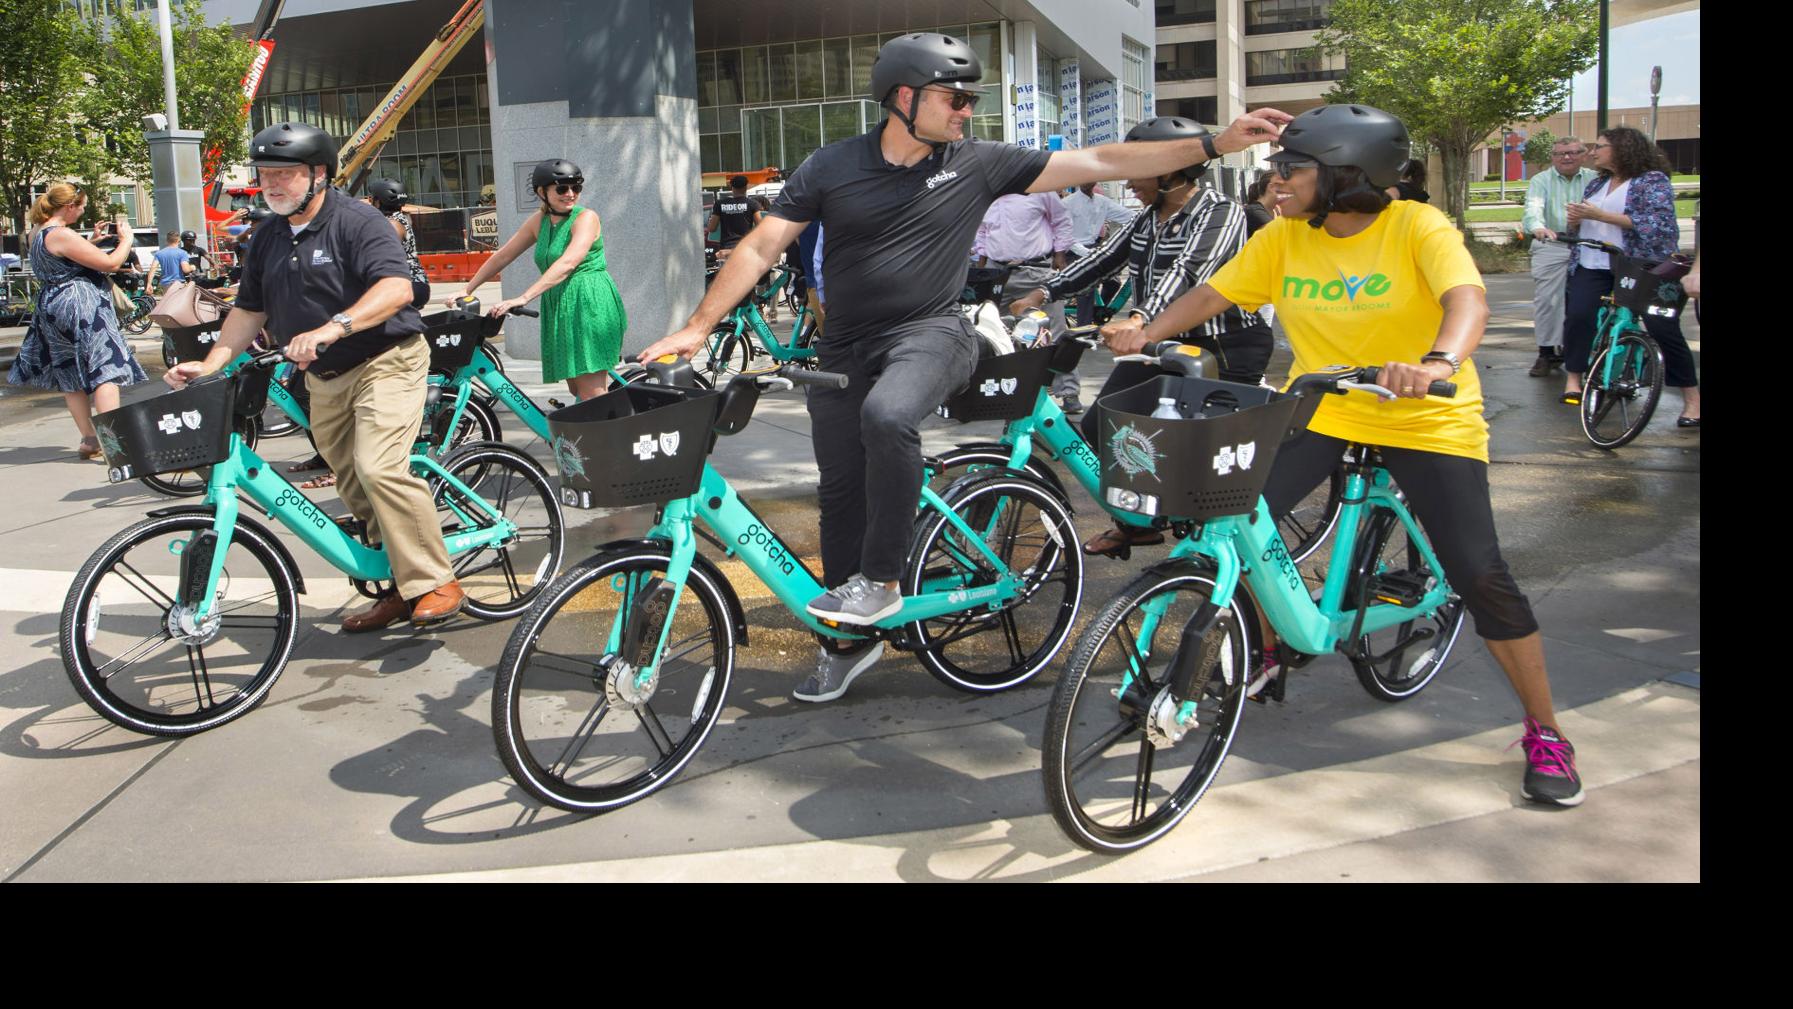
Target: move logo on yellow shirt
<point x="1347" y="287"/>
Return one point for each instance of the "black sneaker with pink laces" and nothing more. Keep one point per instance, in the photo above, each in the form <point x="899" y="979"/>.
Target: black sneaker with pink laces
<point x="1550" y="776"/>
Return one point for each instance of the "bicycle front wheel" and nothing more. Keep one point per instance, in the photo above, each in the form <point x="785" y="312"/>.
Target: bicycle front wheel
<point x="137" y="323"/>
<point x="1112" y="784"/>
<point x="983" y="650"/>
<point x="1623" y="384"/>
<point x="730" y="353"/>
<point x="502" y="580"/>
<point x="576" y="725"/>
<point x="138" y="657"/>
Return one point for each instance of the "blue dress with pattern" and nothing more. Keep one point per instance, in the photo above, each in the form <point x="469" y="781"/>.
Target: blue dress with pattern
<point x="74" y="344"/>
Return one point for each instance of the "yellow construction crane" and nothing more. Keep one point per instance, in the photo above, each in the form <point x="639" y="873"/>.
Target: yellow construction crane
<point x="365" y="143"/>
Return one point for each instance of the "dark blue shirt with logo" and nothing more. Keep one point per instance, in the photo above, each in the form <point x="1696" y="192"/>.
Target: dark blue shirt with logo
<point x="899" y="239"/>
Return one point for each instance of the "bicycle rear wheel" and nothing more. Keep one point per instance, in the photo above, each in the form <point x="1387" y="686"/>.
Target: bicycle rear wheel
<point x="1030" y="529"/>
<point x="137" y="323"/>
<point x="502" y="580"/>
<point x="574" y="726"/>
<point x="1310" y="522"/>
<point x="1615" y="409"/>
<point x="1111" y="785"/>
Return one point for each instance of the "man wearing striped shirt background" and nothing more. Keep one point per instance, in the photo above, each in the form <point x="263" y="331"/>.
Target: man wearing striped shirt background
<point x="1546" y="197"/>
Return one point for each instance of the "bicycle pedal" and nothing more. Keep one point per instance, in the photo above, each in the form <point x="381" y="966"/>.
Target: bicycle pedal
<point x="1401" y="588"/>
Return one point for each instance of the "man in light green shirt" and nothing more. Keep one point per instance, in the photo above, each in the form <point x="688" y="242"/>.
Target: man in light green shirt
<point x="1547" y="195"/>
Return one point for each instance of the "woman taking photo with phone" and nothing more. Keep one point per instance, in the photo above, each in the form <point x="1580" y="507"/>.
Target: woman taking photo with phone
<point x="74" y="345"/>
<point x="582" y="313"/>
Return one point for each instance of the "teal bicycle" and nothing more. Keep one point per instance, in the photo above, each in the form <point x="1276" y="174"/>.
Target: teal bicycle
<point x="183" y="621"/>
<point x="611" y="682"/>
<point x="1151" y="697"/>
<point x="1624" y="378"/>
<point x="1016" y="388"/>
<point x="744" y="334"/>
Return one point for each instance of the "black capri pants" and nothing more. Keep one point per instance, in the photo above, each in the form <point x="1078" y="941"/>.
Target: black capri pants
<point x="1581" y="311"/>
<point x="1448" y="494"/>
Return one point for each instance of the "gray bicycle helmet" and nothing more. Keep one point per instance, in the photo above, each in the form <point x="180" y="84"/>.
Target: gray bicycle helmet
<point x="1172" y="128"/>
<point x="923" y="58"/>
<point x="284" y="145"/>
<point x="1349" y="136"/>
<point x="388" y="194"/>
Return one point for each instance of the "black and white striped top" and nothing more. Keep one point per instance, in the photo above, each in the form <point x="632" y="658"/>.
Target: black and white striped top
<point x="1168" y="260"/>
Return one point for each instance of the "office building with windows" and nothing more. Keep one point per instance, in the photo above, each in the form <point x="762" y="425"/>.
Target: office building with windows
<point x="1218" y="58"/>
<point x="647" y="95"/>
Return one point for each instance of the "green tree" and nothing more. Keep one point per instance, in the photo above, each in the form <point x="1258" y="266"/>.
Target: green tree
<point x="209" y="63"/>
<point x="40" y="67"/>
<point x="1456" y="71"/>
<point x="1537" y="147"/>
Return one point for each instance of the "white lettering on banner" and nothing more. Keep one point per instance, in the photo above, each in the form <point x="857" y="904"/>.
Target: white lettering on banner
<point x="1148" y="107"/>
<point x="1070" y="103"/>
<point x="1101" y="124"/>
<point x="1027" y="126"/>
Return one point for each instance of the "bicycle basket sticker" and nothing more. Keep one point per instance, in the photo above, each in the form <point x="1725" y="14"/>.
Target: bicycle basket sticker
<point x="169" y="423"/>
<point x="644" y="447"/>
<point x="669" y="442"/>
<point x="990" y="387"/>
<point x="209" y="336"/>
<point x="1008" y="386"/>
<point x="448" y="340"/>
<point x="566" y="453"/>
<point x="191" y="419"/>
<point x="109" y="443"/>
<point x="1134" y="451"/>
<point x="1247" y="452"/>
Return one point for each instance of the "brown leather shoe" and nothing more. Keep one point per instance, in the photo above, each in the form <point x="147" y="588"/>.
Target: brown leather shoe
<point x="439" y="604"/>
<point x="387" y="611"/>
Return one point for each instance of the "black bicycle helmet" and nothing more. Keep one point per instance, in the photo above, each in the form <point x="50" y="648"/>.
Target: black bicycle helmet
<point x="1172" y="128"/>
<point x="388" y="194"/>
<point x="188" y="236"/>
<point x="923" y="58"/>
<point x="284" y="145"/>
<point x="1349" y="136"/>
<point x="554" y="172"/>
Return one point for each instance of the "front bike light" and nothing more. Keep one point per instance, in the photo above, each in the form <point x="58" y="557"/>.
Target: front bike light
<point x="1132" y="501"/>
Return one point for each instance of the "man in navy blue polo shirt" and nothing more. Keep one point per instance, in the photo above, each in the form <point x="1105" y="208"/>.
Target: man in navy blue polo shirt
<point x="327" y="277"/>
<point x="901" y="205"/>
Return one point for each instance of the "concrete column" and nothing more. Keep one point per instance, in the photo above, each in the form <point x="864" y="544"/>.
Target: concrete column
<point x="1229" y="55"/>
<point x="1026" y="87"/>
<point x="611" y="87"/>
<point x="179" y="196"/>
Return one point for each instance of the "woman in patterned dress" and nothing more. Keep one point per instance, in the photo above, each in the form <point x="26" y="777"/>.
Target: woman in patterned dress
<point x="74" y="345"/>
<point x="582" y="313"/>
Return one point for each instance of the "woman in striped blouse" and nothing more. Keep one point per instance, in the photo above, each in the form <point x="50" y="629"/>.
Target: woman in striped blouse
<point x="1182" y="236"/>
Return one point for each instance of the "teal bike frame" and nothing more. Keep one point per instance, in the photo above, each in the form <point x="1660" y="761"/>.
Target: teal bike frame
<point x="1104" y="309"/>
<point x="1251" y="547"/>
<point x="747" y="318"/>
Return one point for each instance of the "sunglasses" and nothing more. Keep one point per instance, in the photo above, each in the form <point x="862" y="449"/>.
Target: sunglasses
<point x="960" y="100"/>
<point x="1598" y="147"/>
<point x="575" y="187"/>
<point x="1285" y="170"/>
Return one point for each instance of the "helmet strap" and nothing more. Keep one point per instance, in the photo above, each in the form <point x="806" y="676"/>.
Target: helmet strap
<point x="548" y="208"/>
<point x="311" y="192"/>
<point x="909" y="120"/>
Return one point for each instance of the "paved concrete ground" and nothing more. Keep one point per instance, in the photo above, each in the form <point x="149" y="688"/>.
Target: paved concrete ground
<point x="373" y="757"/>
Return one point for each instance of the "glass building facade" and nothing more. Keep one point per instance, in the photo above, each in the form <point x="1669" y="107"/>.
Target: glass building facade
<point x="442" y="151"/>
<point x="774" y="105"/>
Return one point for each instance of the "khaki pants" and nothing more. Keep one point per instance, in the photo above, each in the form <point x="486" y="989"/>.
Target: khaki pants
<point x="365" y="422"/>
<point x="1550" y="277"/>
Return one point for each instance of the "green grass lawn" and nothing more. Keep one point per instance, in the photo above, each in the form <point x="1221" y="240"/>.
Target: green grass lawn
<point x="1683" y="209"/>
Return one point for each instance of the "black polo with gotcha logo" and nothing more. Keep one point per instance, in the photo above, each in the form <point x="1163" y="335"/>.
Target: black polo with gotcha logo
<point x="898" y="240"/>
<point x="302" y="280"/>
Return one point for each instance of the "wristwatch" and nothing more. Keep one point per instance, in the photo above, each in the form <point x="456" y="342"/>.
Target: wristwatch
<point x="1208" y="146"/>
<point x="342" y="319"/>
<point x="1447" y="357"/>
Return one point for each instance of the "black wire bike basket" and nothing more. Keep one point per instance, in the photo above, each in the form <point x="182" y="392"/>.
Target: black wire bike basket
<point x="640" y="444"/>
<point x="193" y="343"/>
<point x="1213" y="460"/>
<point x="178" y="430"/>
<point x="1649" y="289"/>
<point x="453" y="337"/>
<point x="1002" y="387"/>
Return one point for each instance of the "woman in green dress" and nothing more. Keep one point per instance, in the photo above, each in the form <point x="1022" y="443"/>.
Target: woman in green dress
<point x="582" y="313"/>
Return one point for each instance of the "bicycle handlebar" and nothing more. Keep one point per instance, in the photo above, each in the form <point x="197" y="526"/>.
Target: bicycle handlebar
<point x="820" y="379"/>
<point x="1591" y="243"/>
<point x="1362" y="380"/>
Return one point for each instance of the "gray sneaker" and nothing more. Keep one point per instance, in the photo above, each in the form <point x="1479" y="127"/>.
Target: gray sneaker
<point x="835" y="672"/>
<point x="857" y="602"/>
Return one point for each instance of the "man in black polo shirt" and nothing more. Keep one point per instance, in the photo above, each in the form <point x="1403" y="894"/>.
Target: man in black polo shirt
<point x="901" y="205"/>
<point x="328" y="279"/>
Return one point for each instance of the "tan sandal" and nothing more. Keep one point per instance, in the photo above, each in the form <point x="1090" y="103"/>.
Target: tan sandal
<point x="1120" y="542"/>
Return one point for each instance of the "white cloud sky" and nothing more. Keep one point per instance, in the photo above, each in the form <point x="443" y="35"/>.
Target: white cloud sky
<point x="1673" y="43"/>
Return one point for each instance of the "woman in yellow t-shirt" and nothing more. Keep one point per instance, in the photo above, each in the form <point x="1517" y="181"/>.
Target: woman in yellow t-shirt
<point x="1358" y="279"/>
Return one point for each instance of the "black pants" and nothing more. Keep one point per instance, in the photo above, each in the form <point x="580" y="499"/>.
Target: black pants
<point x="868" y="439"/>
<point x="1243" y="355"/>
<point x="1449" y="496"/>
<point x="1581" y="313"/>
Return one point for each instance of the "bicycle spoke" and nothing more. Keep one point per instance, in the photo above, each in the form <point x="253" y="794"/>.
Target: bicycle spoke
<point x="1118" y="732"/>
<point x="148" y="589"/>
<point x="1142" y="780"/>
<point x="1012" y="635"/>
<point x="1136" y="662"/>
<point x="244" y="623"/>
<point x="583" y="668"/>
<point x="246" y="603"/>
<point x="695" y="642"/>
<point x="196" y="665"/>
<point x="582" y="735"/>
<point x="135" y="652"/>
<point x="510" y="574"/>
<point x="655" y="731"/>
